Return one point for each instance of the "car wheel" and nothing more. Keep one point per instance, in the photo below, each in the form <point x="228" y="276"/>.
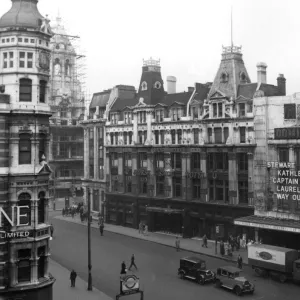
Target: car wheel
<point x="282" y="278"/>
<point x="201" y="280"/>
<point x="218" y="283"/>
<point x="238" y="291"/>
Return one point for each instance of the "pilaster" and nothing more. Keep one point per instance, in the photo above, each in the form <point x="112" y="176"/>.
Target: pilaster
<point x="14" y="150"/>
<point x="232" y="175"/>
<point x="250" y="179"/>
<point x="96" y="154"/>
<point x="135" y="128"/>
<point x="86" y="153"/>
<point x="134" y="177"/>
<point x="186" y="182"/>
<point x="149" y="131"/>
<point x="121" y="172"/>
<point x="168" y="178"/>
<point x="203" y="182"/>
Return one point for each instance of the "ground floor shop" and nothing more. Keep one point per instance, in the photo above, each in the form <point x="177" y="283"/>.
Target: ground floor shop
<point x="175" y="216"/>
<point x="272" y="231"/>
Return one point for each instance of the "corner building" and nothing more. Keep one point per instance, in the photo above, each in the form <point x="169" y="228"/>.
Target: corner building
<point x="24" y="139"/>
<point x="183" y="162"/>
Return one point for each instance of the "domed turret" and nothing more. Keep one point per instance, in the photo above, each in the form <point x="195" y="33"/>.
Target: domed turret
<point x="23" y="13"/>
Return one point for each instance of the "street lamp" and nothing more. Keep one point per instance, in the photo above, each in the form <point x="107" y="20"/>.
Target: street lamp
<point x="90" y="287"/>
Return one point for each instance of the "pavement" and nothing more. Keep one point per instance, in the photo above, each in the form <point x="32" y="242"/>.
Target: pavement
<point x="192" y="245"/>
<point x="63" y="291"/>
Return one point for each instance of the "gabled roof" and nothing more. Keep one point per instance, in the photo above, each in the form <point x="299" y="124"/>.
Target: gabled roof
<point x="100" y="99"/>
<point x="121" y="103"/>
<point x="182" y="98"/>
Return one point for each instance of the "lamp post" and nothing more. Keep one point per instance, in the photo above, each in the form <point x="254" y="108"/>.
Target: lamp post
<point x="90" y="287"/>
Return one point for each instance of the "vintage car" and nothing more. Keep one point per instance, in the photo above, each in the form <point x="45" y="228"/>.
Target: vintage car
<point x="229" y="277"/>
<point x="195" y="268"/>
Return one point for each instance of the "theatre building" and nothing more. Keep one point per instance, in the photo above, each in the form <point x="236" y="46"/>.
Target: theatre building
<point x="277" y="178"/>
<point x="24" y="141"/>
<point x="184" y="162"/>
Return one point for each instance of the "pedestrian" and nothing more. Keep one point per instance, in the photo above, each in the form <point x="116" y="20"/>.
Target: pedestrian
<point x="73" y="276"/>
<point x="51" y="230"/>
<point x="132" y="264"/>
<point x="63" y="212"/>
<point x="101" y="229"/>
<point x="177" y="244"/>
<point x="140" y="228"/>
<point x="122" y="275"/>
<point x="54" y="205"/>
<point x="222" y="248"/>
<point x="240" y="262"/>
<point x="204" y="241"/>
<point x="146" y="230"/>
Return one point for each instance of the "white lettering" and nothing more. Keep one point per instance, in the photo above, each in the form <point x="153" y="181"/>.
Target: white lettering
<point x="11" y="221"/>
<point x="19" y="214"/>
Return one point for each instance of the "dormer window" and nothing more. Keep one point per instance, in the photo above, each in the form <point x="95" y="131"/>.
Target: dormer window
<point x="195" y="112"/>
<point x="142" y="117"/>
<point x="127" y="117"/>
<point x="159" y="115"/>
<point x="224" y="77"/>
<point x="176" y="114"/>
<point x="114" y="118"/>
<point x="217" y="110"/>
<point x="242" y="109"/>
<point x="243" y="77"/>
<point x="144" y="86"/>
<point x="157" y="85"/>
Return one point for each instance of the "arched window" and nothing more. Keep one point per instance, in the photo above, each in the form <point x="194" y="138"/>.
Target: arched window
<point x="43" y="86"/>
<point x="25" y="149"/>
<point x="24" y="200"/>
<point x="25" y="94"/>
<point x="41" y="207"/>
<point x="224" y="77"/>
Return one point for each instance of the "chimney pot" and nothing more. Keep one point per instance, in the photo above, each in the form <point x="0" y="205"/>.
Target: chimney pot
<point x="261" y="72"/>
<point x="281" y="84"/>
<point x="171" y="84"/>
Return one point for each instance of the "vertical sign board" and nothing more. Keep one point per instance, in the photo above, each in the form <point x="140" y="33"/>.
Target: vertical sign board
<point x="220" y="230"/>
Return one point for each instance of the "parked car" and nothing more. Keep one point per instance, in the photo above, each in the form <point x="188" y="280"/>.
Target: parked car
<point x="229" y="277"/>
<point x="195" y="268"/>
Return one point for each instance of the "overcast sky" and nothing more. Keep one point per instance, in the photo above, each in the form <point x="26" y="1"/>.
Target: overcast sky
<point x="187" y="36"/>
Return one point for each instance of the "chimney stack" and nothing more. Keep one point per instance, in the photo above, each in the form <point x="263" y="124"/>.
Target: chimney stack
<point x="190" y="89"/>
<point x="281" y="84"/>
<point x="171" y="84"/>
<point x="261" y="72"/>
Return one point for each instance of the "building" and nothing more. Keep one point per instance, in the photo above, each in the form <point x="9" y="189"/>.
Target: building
<point x="94" y="181"/>
<point x="67" y="103"/>
<point x="276" y="175"/>
<point x="24" y="137"/>
<point x="184" y="162"/>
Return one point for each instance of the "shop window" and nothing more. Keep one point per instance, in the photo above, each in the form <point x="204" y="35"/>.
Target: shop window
<point x="160" y="163"/>
<point x="195" y="161"/>
<point x="160" y="185"/>
<point x="242" y="159"/>
<point x="289" y="111"/>
<point x="41" y="207"/>
<point x="24" y="149"/>
<point x="24" y="200"/>
<point x="242" y="110"/>
<point x="218" y="135"/>
<point x="25" y="90"/>
<point x="196" y="188"/>
<point x="243" y="191"/>
<point x="41" y="261"/>
<point x="196" y="136"/>
<point x="283" y="154"/>
<point x="24" y="267"/>
<point x="43" y="85"/>
<point x="176" y="160"/>
<point x="143" y="160"/>
<point x="242" y="134"/>
<point x="176" y="187"/>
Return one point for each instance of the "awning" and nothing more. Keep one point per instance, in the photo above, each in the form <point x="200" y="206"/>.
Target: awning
<point x="287" y="225"/>
<point x="165" y="210"/>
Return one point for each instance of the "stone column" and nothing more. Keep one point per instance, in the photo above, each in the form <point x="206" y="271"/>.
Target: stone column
<point x="121" y="172"/>
<point x="203" y="182"/>
<point x="168" y="179"/>
<point x="96" y="153"/>
<point x="186" y="181"/>
<point x="135" y="128"/>
<point x="151" y="177"/>
<point x="176" y="137"/>
<point x="292" y="154"/>
<point x="14" y="152"/>
<point x="86" y="154"/>
<point x="250" y="179"/>
<point x="34" y="269"/>
<point x="149" y="120"/>
<point x="159" y="137"/>
<point x="48" y="150"/>
<point x="34" y="151"/>
<point x="134" y="177"/>
<point x="107" y="163"/>
<point x="233" y="180"/>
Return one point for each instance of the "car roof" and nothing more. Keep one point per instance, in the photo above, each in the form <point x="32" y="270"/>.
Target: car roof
<point x="193" y="259"/>
<point x="231" y="269"/>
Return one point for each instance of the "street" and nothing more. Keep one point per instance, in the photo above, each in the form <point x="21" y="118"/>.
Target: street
<point x="157" y="266"/>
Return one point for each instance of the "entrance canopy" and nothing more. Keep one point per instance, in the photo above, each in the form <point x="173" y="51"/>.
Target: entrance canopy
<point x="165" y="210"/>
<point x="270" y="223"/>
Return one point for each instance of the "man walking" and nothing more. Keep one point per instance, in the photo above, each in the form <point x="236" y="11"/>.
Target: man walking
<point x="132" y="264"/>
<point x="73" y="276"/>
<point x="240" y="262"/>
<point x="101" y="227"/>
<point x="177" y="244"/>
<point x="204" y="241"/>
<point x="51" y="230"/>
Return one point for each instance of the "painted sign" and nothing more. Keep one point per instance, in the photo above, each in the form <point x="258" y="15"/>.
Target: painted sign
<point x="14" y="234"/>
<point x="267" y="226"/>
<point x="130" y="284"/>
<point x="14" y="210"/>
<point x="287" y="133"/>
<point x="264" y="254"/>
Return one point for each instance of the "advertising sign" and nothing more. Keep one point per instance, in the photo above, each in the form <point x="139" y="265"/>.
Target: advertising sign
<point x="266" y="255"/>
<point x="130" y="284"/>
<point x="220" y="230"/>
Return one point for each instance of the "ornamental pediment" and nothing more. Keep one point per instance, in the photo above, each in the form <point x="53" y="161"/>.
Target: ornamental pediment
<point x="218" y="94"/>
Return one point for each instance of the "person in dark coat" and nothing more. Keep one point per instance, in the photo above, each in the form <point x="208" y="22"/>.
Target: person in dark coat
<point x="122" y="275"/>
<point x="63" y="212"/>
<point x="240" y="262"/>
<point x="204" y="241"/>
<point x="101" y="227"/>
<point x="73" y="276"/>
<point x="132" y="264"/>
<point x="51" y="230"/>
<point x="222" y="248"/>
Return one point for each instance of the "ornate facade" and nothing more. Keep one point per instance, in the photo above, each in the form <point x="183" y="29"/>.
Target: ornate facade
<point x="183" y="162"/>
<point x="24" y="173"/>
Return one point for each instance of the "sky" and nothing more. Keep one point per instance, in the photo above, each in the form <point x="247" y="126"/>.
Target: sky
<point x="187" y="36"/>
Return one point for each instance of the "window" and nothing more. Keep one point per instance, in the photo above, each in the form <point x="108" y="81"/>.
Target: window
<point x="40" y="42"/>
<point x="220" y="110"/>
<point x="290" y="111"/>
<point x="226" y="134"/>
<point x="195" y="161"/>
<point x="173" y="136"/>
<point x="143" y="160"/>
<point x="128" y="185"/>
<point x="125" y="135"/>
<point x="160" y="163"/>
<point x="20" y="40"/>
<point x="209" y="133"/>
<point x="127" y="117"/>
<point x="29" y="59"/>
<point x="32" y="41"/>
<point x="196" y="136"/>
<point x="242" y="110"/>
<point x="176" y="160"/>
<point x="42" y="145"/>
<point x="160" y="185"/>
<point x="63" y="112"/>
<point x="24" y="200"/>
<point x="141" y="116"/>
<point x="117" y="138"/>
<point x="218" y="135"/>
<point x="26" y="40"/>
<point x="43" y="85"/>
<point x="114" y="159"/>
<point x="7" y="40"/>
<point x="243" y="191"/>
<point x="140" y="134"/>
<point x="130" y="138"/>
<point x="5" y="64"/>
<point x="24" y="149"/>
<point x="25" y="90"/>
<point x="215" y="110"/>
<point x="242" y="134"/>
<point x="41" y="207"/>
<point x="41" y="261"/>
<point x="22" y="60"/>
<point x="128" y="160"/>
<point x="217" y="161"/>
<point x="179" y="134"/>
<point x="176" y="186"/>
<point x="242" y="162"/>
<point x="63" y="150"/>
<point x="195" y="112"/>
<point x="156" y="133"/>
<point x="64" y="171"/>
<point x="143" y="184"/>
<point x="283" y="154"/>
<point x="3" y="40"/>
<point x="24" y="267"/>
<point x="218" y="190"/>
<point x="196" y="188"/>
<point x="176" y="113"/>
<point x="159" y="115"/>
